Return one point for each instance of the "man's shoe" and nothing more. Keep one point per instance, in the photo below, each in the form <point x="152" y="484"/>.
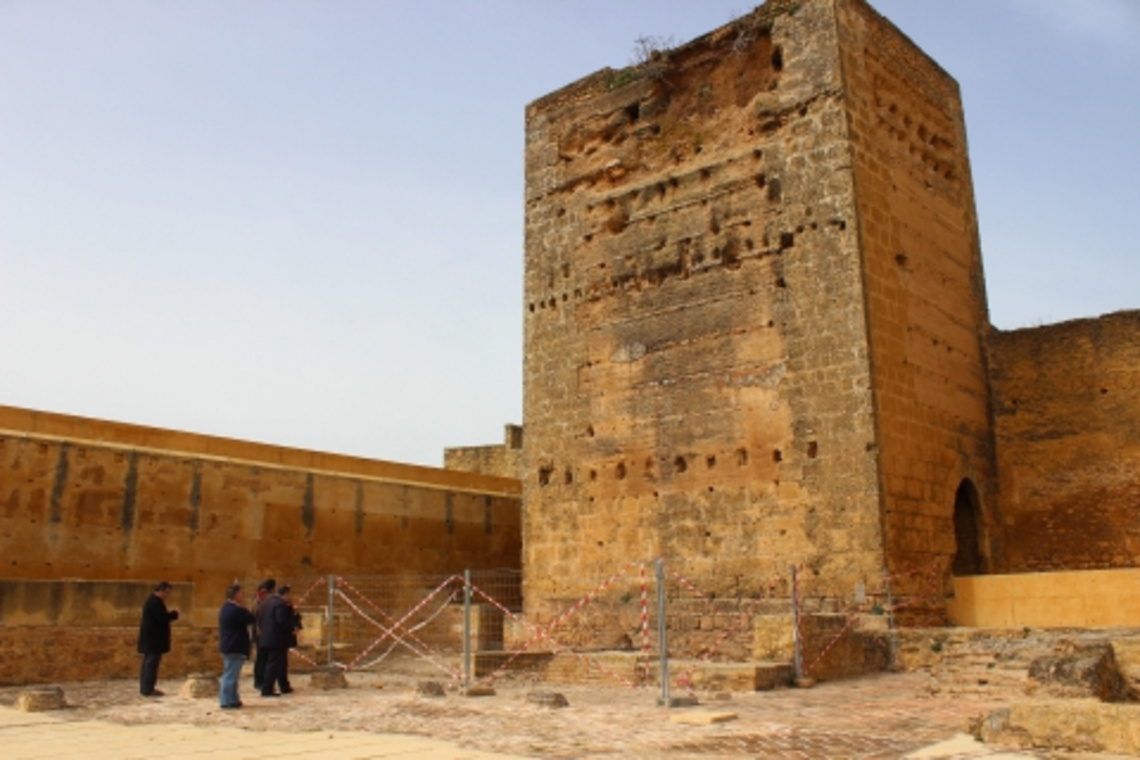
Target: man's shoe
<point x="270" y="694"/>
<point x="286" y="689"/>
<point x="155" y="693"/>
<point x="231" y="707"/>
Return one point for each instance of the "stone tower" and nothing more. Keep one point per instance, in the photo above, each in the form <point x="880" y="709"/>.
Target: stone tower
<point x="754" y="314"/>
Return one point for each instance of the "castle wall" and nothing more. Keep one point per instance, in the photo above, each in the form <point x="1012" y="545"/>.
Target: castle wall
<point x="105" y="501"/>
<point x="924" y="289"/>
<point x="1067" y="414"/>
<point x="502" y="460"/>
<point x="697" y="374"/>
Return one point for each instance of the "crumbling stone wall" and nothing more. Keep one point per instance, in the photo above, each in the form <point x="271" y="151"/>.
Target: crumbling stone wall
<point x="754" y="309"/>
<point x="1067" y="414"/>
<point x="97" y="500"/>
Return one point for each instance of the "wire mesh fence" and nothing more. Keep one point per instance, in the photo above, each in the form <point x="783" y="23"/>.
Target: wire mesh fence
<point x="647" y="624"/>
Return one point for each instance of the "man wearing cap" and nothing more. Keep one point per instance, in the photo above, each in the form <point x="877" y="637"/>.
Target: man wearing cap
<point x="154" y="637"/>
<point x="234" y="621"/>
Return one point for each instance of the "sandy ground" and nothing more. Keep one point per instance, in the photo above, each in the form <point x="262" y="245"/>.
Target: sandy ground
<point x="881" y="716"/>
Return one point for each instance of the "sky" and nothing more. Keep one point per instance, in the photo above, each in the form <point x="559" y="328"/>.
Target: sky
<point x="301" y="221"/>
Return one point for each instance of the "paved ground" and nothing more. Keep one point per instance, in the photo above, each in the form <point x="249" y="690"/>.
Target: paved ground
<point x="882" y="716"/>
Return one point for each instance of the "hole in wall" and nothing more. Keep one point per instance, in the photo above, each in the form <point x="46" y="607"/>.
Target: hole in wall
<point x="778" y="58"/>
<point x="787" y="240"/>
<point x="568" y="477"/>
<point x="710" y="461"/>
<point x="812" y="449"/>
<point x="633" y="112"/>
<point x="742" y="457"/>
<point x="544" y="474"/>
<point x="780" y="283"/>
<point x="593" y="475"/>
<point x="775" y="190"/>
<point x="620" y="471"/>
<point x="680" y="464"/>
<point x="777" y="455"/>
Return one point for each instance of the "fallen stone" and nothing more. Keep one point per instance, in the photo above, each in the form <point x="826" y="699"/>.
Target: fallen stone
<point x="430" y="689"/>
<point x="328" y="679"/>
<point x="1078" y="670"/>
<point x="199" y="686"/>
<point x="552" y="699"/>
<point x="41" y="699"/>
<point x="702" y="717"/>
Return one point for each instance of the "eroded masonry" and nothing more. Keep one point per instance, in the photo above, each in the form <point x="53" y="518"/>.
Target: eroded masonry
<point x="756" y="324"/>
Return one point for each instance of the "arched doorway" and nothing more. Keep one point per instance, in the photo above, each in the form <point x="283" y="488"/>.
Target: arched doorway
<point x="968" y="559"/>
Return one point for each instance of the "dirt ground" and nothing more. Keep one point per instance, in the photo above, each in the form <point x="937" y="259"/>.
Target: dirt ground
<point x="881" y="716"/>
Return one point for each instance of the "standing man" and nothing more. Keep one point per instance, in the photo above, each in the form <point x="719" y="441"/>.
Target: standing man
<point x="290" y="629"/>
<point x="276" y="625"/>
<point x="264" y="590"/>
<point x="154" y="637"/>
<point x="234" y="621"/>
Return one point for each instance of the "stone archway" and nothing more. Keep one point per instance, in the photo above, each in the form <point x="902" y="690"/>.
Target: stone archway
<point x="968" y="557"/>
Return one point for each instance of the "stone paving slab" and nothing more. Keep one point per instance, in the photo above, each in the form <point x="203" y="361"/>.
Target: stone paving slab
<point x="39" y="736"/>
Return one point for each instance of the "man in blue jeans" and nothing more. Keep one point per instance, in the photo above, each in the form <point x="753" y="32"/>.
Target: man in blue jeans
<point x="234" y="621"/>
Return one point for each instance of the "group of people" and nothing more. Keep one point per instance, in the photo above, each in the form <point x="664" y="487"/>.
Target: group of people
<point x="272" y="623"/>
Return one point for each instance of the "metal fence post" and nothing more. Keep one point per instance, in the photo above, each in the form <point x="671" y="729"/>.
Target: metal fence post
<point x="661" y="630"/>
<point x="797" y="630"/>
<point x="467" y="629"/>
<point x="330" y="618"/>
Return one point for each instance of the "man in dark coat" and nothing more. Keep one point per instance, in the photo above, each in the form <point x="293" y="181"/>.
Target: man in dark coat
<point x="264" y="591"/>
<point x="275" y="630"/>
<point x="234" y="621"/>
<point x="154" y="637"/>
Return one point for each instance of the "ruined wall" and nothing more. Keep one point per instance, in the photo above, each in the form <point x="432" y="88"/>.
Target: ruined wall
<point x="104" y="501"/>
<point x="697" y="371"/>
<point x="1067" y="414"/>
<point x="501" y="460"/>
<point x="924" y="289"/>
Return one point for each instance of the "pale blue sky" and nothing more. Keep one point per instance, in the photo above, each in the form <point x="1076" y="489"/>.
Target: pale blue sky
<point x="300" y="222"/>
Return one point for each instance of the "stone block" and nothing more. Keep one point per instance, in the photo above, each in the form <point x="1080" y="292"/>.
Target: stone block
<point x="552" y="699"/>
<point x="702" y="717"/>
<point x="430" y="689"/>
<point x="328" y="679"/>
<point x="1079" y="670"/>
<point x="199" y="686"/>
<point x="41" y="699"/>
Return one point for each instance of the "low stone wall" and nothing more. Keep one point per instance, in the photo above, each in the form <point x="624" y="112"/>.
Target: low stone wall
<point x="33" y="654"/>
<point x="1081" y="599"/>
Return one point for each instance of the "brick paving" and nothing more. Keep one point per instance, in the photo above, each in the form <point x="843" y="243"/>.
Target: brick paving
<point x="882" y="716"/>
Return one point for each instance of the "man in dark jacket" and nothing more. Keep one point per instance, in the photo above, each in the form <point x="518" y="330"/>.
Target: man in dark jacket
<point x="154" y="637"/>
<point x="234" y="621"/>
<point x="276" y="626"/>
<point x="264" y="590"/>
